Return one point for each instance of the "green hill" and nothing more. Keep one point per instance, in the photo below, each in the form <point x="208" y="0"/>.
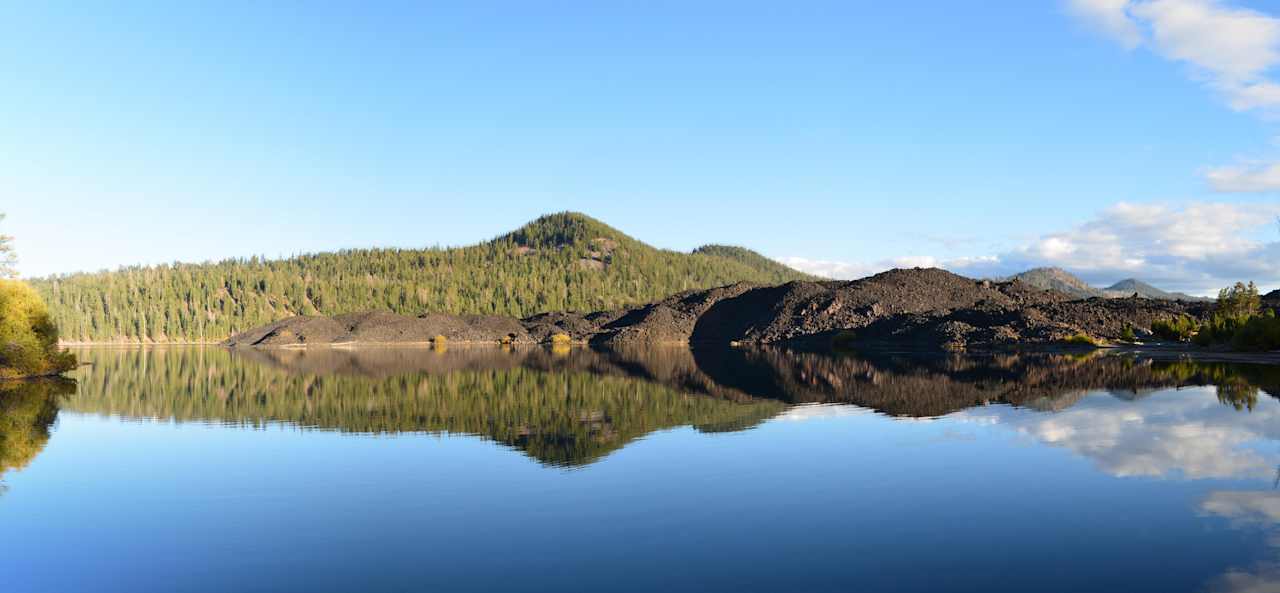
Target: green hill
<point x="565" y="261"/>
<point x="748" y="258"/>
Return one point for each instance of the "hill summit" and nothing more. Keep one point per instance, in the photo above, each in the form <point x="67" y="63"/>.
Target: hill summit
<point x="1067" y="283"/>
<point x="1131" y="286"/>
<point x="563" y="229"/>
<point x="560" y="262"/>
<point x="1058" y="279"/>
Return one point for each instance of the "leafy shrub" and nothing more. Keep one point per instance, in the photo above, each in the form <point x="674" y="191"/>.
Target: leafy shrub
<point x="1258" y="333"/>
<point x="1127" y="334"/>
<point x="1179" y="329"/>
<point x="561" y="340"/>
<point x="1220" y="329"/>
<point x="1080" y="340"/>
<point x="28" y="338"/>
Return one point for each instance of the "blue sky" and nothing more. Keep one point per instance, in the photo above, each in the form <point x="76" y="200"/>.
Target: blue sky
<point x="1113" y="137"/>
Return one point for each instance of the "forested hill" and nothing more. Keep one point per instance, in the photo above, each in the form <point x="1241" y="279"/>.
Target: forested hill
<point x="564" y="261"/>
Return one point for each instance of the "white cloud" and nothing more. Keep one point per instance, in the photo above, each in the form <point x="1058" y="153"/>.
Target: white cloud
<point x="1248" y="506"/>
<point x="1235" y="46"/>
<point x="839" y="270"/>
<point x="1245" y="178"/>
<point x="1133" y="236"/>
<point x="1111" y="16"/>
<point x="820" y="411"/>
<point x="1186" y="434"/>
<point x="1196" y="248"/>
<point x="1182" y="434"/>
<point x="1257" y="95"/>
<point x="1231" y="49"/>
<point x="1260" y="509"/>
<point x="1263" y="578"/>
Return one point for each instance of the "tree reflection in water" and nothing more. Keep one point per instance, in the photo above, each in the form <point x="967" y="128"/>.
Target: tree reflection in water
<point x="571" y="408"/>
<point x="27" y="412"/>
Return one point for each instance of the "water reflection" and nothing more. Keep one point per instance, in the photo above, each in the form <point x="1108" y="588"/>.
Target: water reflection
<point x="1249" y="510"/>
<point x="915" y="385"/>
<point x="562" y="410"/>
<point x="1176" y="459"/>
<point x="1171" y="435"/>
<point x="27" y="411"/>
<point x="571" y="408"/>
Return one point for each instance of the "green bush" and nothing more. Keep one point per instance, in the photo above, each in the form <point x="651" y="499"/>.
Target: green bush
<point x="1179" y="329"/>
<point x="28" y="338"/>
<point x="1221" y="328"/>
<point x="1127" y="334"/>
<point x="1259" y="333"/>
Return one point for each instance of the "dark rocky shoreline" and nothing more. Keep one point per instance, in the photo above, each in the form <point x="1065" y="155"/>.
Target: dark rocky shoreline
<point x="917" y="308"/>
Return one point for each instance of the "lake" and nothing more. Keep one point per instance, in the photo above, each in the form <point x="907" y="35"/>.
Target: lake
<point x="381" y="469"/>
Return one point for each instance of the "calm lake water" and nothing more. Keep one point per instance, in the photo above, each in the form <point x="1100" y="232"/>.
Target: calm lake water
<point x="200" y="469"/>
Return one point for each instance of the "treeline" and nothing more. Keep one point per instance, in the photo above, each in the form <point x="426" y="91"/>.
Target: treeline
<point x="559" y="262"/>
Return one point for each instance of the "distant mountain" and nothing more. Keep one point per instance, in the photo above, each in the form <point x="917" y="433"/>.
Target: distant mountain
<point x="1060" y="280"/>
<point x="1065" y="282"/>
<point x="1128" y="287"/>
<point x="559" y="262"/>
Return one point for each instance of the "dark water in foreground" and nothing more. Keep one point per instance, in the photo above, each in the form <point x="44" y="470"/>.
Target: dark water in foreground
<point x="191" y="469"/>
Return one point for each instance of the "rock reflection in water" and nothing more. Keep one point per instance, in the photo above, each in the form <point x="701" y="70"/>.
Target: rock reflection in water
<point x="914" y="385"/>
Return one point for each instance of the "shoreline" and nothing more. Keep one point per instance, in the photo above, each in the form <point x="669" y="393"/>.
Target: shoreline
<point x="132" y="344"/>
<point x="1153" y="352"/>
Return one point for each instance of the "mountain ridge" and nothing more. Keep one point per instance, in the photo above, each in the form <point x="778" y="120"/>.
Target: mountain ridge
<point x="1055" y="278"/>
<point x="565" y="261"/>
<point x="1129" y="286"/>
